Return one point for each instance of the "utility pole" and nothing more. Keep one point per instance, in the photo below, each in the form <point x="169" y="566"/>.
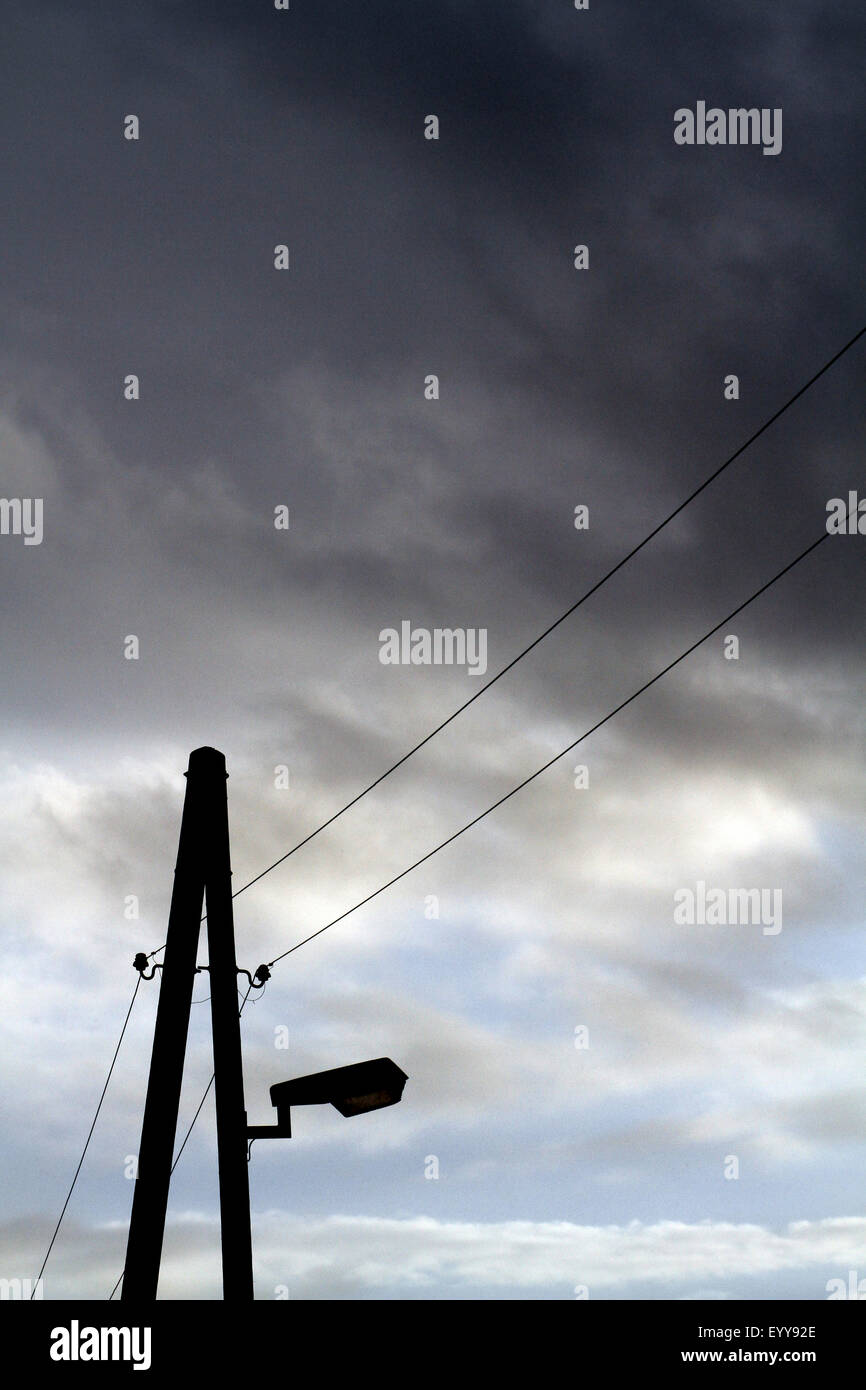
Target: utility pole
<point x="203" y="871"/>
<point x="231" y="1117"/>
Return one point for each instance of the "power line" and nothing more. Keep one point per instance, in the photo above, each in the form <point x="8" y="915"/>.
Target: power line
<point x="561" y="619"/>
<point x="551" y="761"/>
<point x="485" y="687"/>
<point x="507" y="797"/>
<point x="87" y="1140"/>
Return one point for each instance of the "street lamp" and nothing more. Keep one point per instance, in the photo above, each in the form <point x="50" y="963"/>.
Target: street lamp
<point x="352" y="1090"/>
<point x="203" y="879"/>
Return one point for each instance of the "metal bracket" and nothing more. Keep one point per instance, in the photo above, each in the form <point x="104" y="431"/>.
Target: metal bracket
<point x="281" y="1130"/>
<point x="140" y="964"/>
<point x="260" y="979"/>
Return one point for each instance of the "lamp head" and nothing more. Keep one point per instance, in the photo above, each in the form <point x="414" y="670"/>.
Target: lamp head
<point x="352" y="1090"/>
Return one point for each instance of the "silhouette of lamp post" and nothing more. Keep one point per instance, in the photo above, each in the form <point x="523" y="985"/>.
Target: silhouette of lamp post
<point x="352" y="1090"/>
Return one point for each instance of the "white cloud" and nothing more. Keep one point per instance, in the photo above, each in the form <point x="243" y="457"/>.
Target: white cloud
<point x="358" y="1255"/>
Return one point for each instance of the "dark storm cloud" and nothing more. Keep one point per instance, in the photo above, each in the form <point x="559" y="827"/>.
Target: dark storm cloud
<point x="472" y="266"/>
<point x="467" y="270"/>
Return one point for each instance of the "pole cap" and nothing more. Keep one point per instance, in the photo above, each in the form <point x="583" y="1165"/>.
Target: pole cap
<point x="206" y="762"/>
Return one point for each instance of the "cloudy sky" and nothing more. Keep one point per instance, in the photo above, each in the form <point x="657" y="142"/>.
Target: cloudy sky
<point x="599" y="1168"/>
